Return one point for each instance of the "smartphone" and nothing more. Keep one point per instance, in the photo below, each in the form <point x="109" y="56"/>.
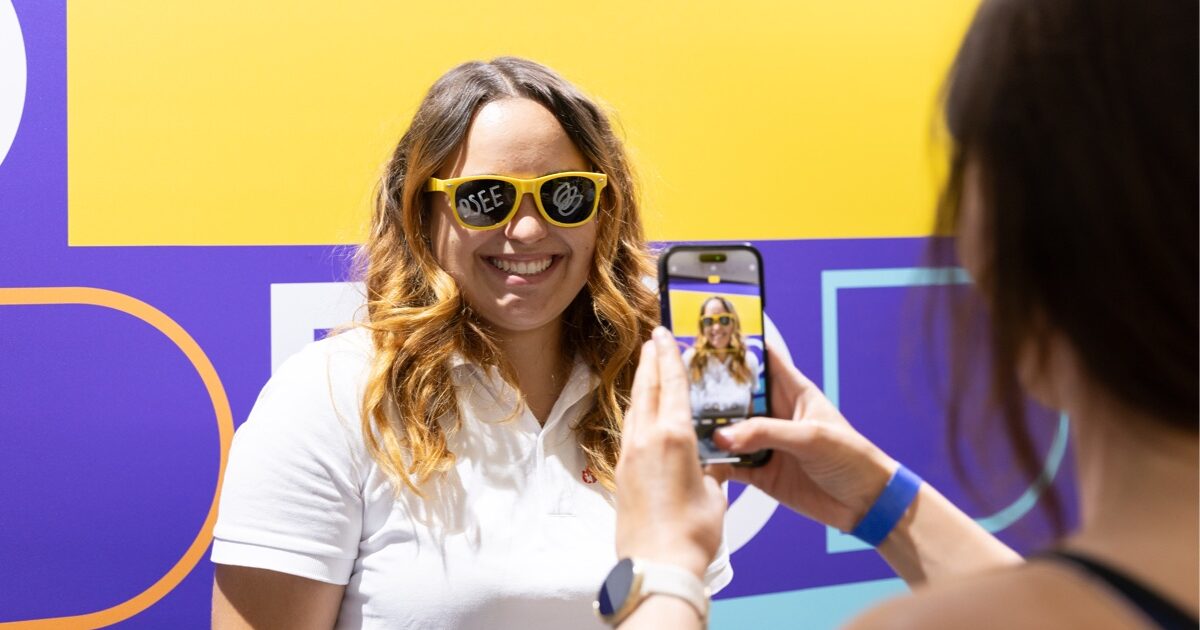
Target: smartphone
<point x="712" y="300"/>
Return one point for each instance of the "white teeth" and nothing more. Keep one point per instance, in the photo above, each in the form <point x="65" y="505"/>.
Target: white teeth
<point x="522" y="268"/>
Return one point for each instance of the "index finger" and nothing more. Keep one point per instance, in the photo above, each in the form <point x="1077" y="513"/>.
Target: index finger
<point x="674" y="401"/>
<point x="644" y="393"/>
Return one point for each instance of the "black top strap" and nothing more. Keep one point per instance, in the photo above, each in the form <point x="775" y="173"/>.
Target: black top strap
<point x="1162" y="612"/>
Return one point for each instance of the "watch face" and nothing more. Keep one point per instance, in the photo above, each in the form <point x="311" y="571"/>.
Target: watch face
<point x="615" y="591"/>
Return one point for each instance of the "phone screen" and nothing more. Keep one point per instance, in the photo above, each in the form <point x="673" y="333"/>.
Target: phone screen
<point x="713" y="303"/>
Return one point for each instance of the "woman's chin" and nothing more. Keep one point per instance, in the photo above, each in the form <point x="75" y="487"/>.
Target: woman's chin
<point x="510" y="320"/>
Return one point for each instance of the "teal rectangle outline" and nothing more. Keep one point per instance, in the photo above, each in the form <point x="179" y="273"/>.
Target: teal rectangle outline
<point x="834" y="280"/>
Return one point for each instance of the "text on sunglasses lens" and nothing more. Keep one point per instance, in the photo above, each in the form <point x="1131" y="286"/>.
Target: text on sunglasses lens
<point x="484" y="202"/>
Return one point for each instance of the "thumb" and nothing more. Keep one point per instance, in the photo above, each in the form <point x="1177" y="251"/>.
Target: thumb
<point x="759" y="433"/>
<point x="744" y="474"/>
<point x="714" y="491"/>
<point x="719" y="472"/>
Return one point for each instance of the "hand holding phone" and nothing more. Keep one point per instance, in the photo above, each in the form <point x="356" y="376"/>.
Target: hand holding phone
<point x="712" y="300"/>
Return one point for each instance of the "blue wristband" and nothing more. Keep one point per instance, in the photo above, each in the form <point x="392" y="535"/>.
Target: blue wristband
<point x="881" y="519"/>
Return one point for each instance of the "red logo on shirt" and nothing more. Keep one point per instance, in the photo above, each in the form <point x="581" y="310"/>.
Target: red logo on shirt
<point x="588" y="477"/>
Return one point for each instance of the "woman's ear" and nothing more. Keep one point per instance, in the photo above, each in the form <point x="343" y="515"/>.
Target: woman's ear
<point x="1048" y="366"/>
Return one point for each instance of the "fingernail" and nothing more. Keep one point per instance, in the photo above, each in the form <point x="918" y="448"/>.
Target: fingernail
<point x="725" y="433"/>
<point x="662" y="334"/>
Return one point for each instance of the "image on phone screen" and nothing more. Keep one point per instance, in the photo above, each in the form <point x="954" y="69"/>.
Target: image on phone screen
<point x="714" y="303"/>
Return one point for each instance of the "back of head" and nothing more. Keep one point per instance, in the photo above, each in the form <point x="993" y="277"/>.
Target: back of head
<point x="1081" y="116"/>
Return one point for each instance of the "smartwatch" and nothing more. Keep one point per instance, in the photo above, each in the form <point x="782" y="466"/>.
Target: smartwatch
<point x="632" y="581"/>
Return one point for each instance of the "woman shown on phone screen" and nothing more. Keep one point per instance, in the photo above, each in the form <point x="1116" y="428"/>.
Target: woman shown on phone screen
<point x="722" y="371"/>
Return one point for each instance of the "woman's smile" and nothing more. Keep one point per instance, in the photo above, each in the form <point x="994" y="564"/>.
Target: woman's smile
<point x="519" y="270"/>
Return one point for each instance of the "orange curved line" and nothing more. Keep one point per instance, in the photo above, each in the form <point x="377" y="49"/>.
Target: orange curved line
<point x="212" y="382"/>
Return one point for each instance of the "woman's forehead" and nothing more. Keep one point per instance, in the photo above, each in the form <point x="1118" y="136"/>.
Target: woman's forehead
<point x="517" y="137"/>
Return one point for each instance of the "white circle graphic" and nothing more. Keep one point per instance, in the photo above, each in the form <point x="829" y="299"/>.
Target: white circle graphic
<point x="749" y="513"/>
<point x="12" y="76"/>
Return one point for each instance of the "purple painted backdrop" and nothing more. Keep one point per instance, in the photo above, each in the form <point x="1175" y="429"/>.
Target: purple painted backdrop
<point x="110" y="450"/>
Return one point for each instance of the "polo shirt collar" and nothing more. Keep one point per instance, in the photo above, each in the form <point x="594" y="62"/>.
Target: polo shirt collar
<point x="580" y="382"/>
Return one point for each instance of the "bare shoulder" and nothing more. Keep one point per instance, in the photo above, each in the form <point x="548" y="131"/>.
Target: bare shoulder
<point x="1035" y="595"/>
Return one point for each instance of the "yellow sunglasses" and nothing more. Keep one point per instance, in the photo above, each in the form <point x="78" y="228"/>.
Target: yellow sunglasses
<point x="724" y="319"/>
<point x="487" y="202"/>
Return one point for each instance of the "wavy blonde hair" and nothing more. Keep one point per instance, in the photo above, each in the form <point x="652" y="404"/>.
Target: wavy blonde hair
<point x="737" y="347"/>
<point x="419" y="318"/>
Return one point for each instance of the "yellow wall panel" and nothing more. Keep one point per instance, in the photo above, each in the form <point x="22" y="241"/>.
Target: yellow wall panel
<point x="685" y="311"/>
<point x="265" y="122"/>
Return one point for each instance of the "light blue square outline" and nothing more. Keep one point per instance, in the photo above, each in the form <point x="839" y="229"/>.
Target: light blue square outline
<point x="833" y="280"/>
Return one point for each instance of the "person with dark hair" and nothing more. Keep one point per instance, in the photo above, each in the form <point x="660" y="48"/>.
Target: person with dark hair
<point x="449" y="462"/>
<point x="1073" y="192"/>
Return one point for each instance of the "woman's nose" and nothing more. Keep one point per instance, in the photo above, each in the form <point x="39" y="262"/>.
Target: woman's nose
<point x="527" y="225"/>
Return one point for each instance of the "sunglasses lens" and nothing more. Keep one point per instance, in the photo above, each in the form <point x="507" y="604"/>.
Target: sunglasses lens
<point x="484" y="202"/>
<point x="569" y="199"/>
<point x="723" y="320"/>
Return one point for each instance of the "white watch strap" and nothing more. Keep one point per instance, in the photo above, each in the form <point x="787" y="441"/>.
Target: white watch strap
<point x="668" y="579"/>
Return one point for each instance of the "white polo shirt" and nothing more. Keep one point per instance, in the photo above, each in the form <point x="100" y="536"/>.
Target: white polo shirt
<point x="718" y="390"/>
<point x="517" y="535"/>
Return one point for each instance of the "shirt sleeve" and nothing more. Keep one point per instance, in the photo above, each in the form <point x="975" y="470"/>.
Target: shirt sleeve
<point x="754" y="364"/>
<point x="291" y="500"/>
<point x="720" y="572"/>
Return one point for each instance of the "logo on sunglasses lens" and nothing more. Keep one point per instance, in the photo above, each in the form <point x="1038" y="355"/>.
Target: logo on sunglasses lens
<point x="567" y="198"/>
<point x="479" y="204"/>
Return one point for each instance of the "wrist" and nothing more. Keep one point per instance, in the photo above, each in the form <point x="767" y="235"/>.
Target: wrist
<point x="874" y="481"/>
<point x="634" y="580"/>
<point x="660" y="610"/>
<point x="693" y="563"/>
<point x="890" y="507"/>
<point x="674" y="551"/>
<point x="901" y="534"/>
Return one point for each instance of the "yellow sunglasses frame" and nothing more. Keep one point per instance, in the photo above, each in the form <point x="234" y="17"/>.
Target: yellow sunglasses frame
<point x="732" y="316"/>
<point x="523" y="186"/>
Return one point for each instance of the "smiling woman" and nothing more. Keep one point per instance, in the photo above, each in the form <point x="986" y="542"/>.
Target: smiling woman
<point x="520" y="272"/>
<point x="723" y="374"/>
<point x="450" y="462"/>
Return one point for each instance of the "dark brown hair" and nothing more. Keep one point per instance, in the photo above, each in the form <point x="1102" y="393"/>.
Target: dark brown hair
<point x="1081" y="118"/>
